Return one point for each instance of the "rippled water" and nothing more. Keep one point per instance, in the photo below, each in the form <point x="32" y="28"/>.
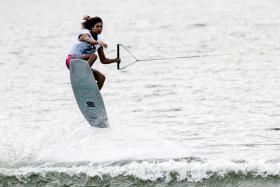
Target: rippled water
<point x="182" y="122"/>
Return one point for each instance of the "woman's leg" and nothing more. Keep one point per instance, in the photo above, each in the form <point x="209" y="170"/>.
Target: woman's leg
<point x="91" y="58"/>
<point x="99" y="77"/>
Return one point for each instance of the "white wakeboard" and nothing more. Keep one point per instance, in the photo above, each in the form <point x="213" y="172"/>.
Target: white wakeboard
<point x="87" y="93"/>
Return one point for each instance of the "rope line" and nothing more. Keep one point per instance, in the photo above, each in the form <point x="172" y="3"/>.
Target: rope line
<point x="164" y="58"/>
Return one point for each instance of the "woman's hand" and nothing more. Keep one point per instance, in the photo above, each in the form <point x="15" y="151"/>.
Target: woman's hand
<point x="102" y="44"/>
<point x="117" y="60"/>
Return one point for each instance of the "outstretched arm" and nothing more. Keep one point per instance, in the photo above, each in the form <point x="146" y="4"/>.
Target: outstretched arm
<point x="105" y="60"/>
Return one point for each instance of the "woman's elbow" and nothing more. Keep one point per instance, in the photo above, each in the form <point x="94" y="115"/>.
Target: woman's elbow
<point x="103" y="61"/>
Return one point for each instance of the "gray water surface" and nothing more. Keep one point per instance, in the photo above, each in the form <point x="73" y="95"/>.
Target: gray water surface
<point x="223" y="109"/>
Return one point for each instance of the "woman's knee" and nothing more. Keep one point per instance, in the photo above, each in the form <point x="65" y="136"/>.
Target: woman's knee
<point x="93" y="55"/>
<point x="89" y="57"/>
<point x="92" y="59"/>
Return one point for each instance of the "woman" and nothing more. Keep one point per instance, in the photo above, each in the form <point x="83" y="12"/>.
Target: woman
<point x="88" y="44"/>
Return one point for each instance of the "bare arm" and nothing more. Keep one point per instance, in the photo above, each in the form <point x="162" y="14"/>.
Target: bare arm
<point x="86" y="38"/>
<point x="105" y="60"/>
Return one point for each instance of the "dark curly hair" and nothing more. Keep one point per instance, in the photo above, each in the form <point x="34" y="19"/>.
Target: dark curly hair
<point x="90" y="22"/>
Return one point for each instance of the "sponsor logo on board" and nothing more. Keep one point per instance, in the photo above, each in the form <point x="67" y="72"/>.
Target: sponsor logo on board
<point x="90" y="104"/>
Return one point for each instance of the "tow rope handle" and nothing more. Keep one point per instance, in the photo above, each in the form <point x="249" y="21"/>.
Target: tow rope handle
<point x="118" y="56"/>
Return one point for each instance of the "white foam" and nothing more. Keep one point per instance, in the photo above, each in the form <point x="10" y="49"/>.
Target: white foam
<point x="192" y="171"/>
